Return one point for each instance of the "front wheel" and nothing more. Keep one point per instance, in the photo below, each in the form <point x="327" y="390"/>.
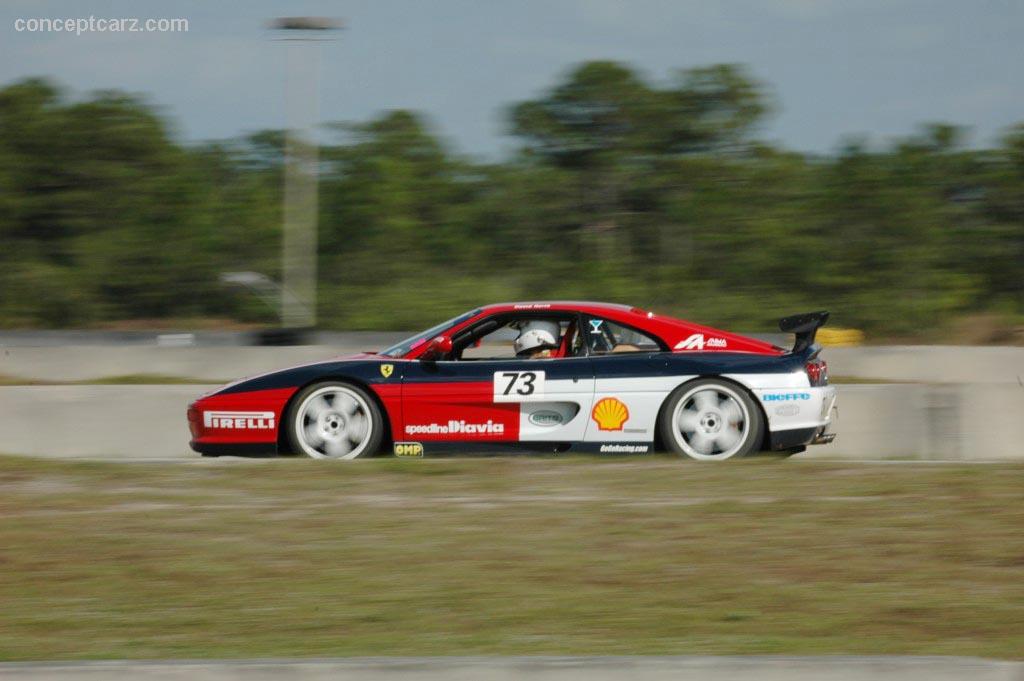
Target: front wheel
<point x="334" y="421"/>
<point x="711" y="420"/>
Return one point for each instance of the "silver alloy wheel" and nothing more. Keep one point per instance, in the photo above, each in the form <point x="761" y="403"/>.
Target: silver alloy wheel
<point x="711" y="423"/>
<point x="333" y="422"/>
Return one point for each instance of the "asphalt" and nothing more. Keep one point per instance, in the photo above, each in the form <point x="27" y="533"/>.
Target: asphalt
<point x="679" y="668"/>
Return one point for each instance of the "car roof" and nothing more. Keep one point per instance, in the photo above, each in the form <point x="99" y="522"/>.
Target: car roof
<point x="560" y="305"/>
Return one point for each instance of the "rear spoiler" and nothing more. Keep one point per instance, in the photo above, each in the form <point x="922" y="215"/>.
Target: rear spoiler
<point x="805" y="326"/>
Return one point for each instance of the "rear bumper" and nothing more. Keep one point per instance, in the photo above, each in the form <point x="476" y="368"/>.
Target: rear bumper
<point x="793" y="438"/>
<point x="801" y="416"/>
<point x="799" y="437"/>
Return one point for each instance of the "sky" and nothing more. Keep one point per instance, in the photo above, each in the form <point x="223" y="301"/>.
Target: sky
<point x="874" y="69"/>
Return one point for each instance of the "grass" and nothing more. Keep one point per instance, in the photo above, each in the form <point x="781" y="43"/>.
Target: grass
<point x="124" y="379"/>
<point x="508" y="556"/>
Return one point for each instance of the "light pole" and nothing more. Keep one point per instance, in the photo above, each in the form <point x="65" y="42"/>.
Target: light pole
<point x="299" y="234"/>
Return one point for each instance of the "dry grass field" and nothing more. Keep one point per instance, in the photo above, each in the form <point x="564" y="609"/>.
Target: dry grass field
<point x="569" y="555"/>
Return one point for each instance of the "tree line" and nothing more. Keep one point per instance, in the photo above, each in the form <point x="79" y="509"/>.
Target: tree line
<point x="659" y="195"/>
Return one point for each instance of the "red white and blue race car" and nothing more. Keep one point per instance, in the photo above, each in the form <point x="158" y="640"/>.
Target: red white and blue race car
<point x="542" y="376"/>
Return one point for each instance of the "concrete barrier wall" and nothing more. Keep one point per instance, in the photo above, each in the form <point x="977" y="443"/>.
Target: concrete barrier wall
<point x="929" y="422"/>
<point x="901" y="421"/>
<point x="221" y="363"/>
<point x="102" y="421"/>
<point x="928" y="364"/>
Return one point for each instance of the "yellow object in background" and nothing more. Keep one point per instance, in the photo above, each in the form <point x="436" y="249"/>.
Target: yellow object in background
<point x="839" y="337"/>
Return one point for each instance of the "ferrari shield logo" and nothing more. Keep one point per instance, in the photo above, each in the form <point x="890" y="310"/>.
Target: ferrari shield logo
<point x="386" y="370"/>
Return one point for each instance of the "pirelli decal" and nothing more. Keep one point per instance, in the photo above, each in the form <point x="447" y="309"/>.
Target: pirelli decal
<point x="239" y="420"/>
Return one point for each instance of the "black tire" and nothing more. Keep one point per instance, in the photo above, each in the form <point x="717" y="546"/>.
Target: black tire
<point x="334" y="420"/>
<point x="693" y="423"/>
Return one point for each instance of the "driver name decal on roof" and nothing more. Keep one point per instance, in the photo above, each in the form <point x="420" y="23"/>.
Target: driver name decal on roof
<point x="698" y="342"/>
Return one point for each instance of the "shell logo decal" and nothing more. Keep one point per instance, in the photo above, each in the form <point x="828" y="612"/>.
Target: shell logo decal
<point x="610" y="413"/>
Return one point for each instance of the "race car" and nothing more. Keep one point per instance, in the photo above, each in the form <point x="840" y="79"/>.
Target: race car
<point x="538" y="376"/>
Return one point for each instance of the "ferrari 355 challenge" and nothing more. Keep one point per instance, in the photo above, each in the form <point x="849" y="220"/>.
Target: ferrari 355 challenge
<point x="540" y="376"/>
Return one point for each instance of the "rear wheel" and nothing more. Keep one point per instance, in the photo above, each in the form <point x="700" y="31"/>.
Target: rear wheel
<point x="711" y="420"/>
<point x="335" y="421"/>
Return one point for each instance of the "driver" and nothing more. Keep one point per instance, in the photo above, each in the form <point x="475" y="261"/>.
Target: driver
<point x="537" y="339"/>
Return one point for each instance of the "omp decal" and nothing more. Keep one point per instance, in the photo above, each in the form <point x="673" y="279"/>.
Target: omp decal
<point x="518" y="386"/>
<point x="408" y="449"/>
<point x="698" y="342"/>
<point x="625" y="449"/>
<point x="546" y="418"/>
<point x="610" y="413"/>
<point x="239" y="420"/>
<point x="785" y="396"/>
<point x="386" y="370"/>
<point x="459" y="427"/>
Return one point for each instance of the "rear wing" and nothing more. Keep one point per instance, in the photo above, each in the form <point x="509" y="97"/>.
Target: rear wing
<point x="805" y="326"/>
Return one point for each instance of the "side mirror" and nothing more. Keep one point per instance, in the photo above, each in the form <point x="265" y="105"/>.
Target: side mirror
<point x="438" y="347"/>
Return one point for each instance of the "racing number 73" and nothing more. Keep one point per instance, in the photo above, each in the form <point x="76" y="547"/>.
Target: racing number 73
<point x="518" y="386"/>
<point x="525" y="379"/>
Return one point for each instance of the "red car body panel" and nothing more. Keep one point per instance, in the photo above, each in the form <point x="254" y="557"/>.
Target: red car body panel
<point x="468" y="402"/>
<point x="390" y="395"/>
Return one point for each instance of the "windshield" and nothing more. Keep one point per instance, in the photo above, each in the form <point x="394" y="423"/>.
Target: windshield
<point x="403" y="348"/>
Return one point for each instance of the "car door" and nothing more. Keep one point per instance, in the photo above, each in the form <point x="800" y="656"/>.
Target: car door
<point x="497" y="400"/>
<point x="631" y="381"/>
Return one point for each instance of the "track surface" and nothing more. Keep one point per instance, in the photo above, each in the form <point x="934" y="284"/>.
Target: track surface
<point x="682" y="668"/>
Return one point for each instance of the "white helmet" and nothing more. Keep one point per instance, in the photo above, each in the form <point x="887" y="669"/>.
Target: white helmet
<point x="536" y="335"/>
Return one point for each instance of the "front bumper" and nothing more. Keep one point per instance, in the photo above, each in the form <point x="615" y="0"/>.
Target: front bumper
<point x="238" y="423"/>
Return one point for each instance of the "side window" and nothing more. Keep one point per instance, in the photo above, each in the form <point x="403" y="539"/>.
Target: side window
<point x="498" y="343"/>
<point x="605" y="337"/>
